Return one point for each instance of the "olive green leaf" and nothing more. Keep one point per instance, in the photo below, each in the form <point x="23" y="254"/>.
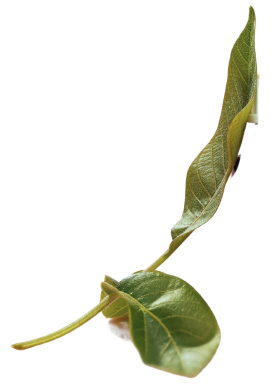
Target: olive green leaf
<point x="171" y="325"/>
<point x="209" y="172"/>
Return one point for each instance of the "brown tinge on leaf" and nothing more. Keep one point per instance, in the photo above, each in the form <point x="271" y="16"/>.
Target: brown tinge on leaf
<point x="120" y="327"/>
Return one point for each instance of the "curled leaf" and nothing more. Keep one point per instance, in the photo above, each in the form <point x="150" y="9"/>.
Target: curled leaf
<point x="171" y="325"/>
<point x="209" y="172"/>
<point x="119" y="308"/>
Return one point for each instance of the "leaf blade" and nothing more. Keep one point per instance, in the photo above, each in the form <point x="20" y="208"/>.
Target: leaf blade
<point x="209" y="172"/>
<point x="167" y="339"/>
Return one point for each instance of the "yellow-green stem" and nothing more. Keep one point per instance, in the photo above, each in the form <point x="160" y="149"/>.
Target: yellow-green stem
<point x="65" y="330"/>
<point x="170" y="250"/>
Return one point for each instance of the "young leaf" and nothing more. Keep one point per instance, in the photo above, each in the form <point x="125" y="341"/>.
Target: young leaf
<point x="209" y="172"/>
<point x="171" y="325"/>
<point x="119" y="308"/>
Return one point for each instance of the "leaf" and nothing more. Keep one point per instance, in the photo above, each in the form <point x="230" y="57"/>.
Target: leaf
<point x="209" y="172"/>
<point x="119" y="307"/>
<point x="171" y="325"/>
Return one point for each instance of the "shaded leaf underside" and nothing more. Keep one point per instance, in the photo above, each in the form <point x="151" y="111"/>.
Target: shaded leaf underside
<point x="208" y="174"/>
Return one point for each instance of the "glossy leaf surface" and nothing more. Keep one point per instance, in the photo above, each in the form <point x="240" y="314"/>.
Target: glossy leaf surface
<point x="171" y="325"/>
<point x="209" y="172"/>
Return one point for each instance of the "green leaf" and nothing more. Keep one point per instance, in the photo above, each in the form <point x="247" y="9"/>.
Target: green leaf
<point x="171" y="325"/>
<point x="209" y="172"/>
<point x="119" y="308"/>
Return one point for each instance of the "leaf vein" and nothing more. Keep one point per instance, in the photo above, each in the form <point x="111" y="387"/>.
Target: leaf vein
<point x="156" y="332"/>
<point x="195" y="195"/>
<point x="241" y="53"/>
<point x="165" y="348"/>
<point x="213" y="197"/>
<point x="186" y="316"/>
<point x="213" y="167"/>
<point x="200" y="177"/>
<point x="117" y="311"/>
<point x="187" y="332"/>
<point x="239" y="70"/>
<point x="236" y="89"/>
<point x="145" y="329"/>
<point x="191" y="211"/>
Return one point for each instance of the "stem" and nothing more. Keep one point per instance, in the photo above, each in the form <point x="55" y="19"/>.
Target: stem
<point x="170" y="250"/>
<point x="67" y="329"/>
